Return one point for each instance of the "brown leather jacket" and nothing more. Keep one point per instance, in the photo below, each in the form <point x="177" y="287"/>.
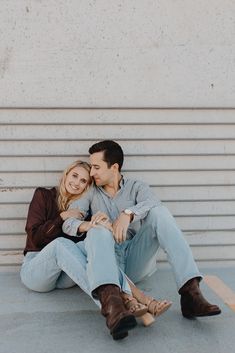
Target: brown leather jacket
<point x="44" y="223"/>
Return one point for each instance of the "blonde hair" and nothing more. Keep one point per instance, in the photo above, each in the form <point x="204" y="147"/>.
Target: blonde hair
<point x="64" y="198"/>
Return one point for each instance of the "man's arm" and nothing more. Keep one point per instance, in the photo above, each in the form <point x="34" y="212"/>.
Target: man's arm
<point x="144" y="201"/>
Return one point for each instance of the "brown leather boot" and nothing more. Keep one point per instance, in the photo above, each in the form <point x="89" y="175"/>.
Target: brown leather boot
<point x="193" y="303"/>
<point x="118" y="319"/>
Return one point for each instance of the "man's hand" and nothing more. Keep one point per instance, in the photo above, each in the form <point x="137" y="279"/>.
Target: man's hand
<point x="120" y="227"/>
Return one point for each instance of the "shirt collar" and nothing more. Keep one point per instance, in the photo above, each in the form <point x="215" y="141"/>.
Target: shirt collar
<point x="121" y="184"/>
<point x="122" y="181"/>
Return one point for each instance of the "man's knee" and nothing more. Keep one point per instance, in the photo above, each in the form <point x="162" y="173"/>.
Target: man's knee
<point x="159" y="211"/>
<point x="158" y="214"/>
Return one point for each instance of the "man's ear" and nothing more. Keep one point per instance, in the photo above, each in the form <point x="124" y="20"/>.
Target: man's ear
<point x="115" y="167"/>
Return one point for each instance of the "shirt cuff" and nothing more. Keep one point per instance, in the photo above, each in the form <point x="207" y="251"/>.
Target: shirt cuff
<point x="71" y="225"/>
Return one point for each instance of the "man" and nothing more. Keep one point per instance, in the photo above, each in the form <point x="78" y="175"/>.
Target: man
<point x="141" y="224"/>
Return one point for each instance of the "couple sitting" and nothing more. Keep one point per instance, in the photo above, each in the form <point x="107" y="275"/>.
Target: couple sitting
<point x="101" y="231"/>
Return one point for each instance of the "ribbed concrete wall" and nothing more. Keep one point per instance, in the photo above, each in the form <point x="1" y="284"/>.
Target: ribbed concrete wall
<point x="187" y="156"/>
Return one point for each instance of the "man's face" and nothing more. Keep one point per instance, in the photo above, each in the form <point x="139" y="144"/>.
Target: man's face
<point x="99" y="170"/>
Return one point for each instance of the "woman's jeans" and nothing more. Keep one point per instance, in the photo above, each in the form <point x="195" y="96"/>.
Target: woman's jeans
<point x="63" y="264"/>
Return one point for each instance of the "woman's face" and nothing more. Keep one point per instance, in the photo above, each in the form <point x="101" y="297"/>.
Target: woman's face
<point x="77" y="180"/>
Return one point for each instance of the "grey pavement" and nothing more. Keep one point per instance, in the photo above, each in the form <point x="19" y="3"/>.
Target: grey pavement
<point x="68" y="321"/>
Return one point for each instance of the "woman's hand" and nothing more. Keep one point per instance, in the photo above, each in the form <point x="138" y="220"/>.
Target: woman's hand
<point x="99" y="217"/>
<point x="97" y="220"/>
<point x="107" y="224"/>
<point x="85" y="226"/>
<point x="72" y="213"/>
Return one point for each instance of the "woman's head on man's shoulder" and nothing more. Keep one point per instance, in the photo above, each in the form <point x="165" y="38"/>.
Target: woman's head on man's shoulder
<point x="74" y="182"/>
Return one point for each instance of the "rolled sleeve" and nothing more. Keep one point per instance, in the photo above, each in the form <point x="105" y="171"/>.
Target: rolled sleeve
<point x="71" y="225"/>
<point x="145" y="200"/>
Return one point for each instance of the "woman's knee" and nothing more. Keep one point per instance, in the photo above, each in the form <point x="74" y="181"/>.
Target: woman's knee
<point x="56" y="244"/>
<point x="99" y="234"/>
<point x="60" y="240"/>
<point x="33" y="283"/>
<point x="40" y="272"/>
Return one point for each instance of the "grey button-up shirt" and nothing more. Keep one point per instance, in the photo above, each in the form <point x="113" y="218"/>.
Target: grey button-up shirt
<point x="133" y="195"/>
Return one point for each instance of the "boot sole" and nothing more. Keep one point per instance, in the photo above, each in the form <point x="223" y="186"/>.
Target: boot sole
<point x="126" y="324"/>
<point x="210" y="314"/>
<point x="191" y="316"/>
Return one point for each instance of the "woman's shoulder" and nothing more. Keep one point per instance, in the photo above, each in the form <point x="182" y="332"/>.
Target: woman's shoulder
<point x="45" y="192"/>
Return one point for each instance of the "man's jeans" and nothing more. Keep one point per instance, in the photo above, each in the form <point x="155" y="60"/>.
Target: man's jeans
<point x="62" y="264"/>
<point x="159" y="229"/>
<point x="137" y="256"/>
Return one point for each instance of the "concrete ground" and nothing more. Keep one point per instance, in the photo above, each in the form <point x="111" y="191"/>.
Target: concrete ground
<point x="68" y="321"/>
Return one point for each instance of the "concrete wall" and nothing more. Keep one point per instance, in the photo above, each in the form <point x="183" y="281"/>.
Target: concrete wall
<point x="73" y="72"/>
<point x="108" y="53"/>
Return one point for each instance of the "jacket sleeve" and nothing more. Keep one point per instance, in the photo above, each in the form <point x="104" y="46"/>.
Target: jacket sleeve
<point x="39" y="228"/>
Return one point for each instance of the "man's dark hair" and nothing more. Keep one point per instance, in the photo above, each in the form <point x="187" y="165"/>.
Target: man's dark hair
<point x="113" y="152"/>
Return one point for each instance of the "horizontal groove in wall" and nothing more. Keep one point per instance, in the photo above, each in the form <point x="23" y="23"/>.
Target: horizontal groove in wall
<point x="188" y="230"/>
<point x="136" y="162"/>
<point x="119" y="139"/>
<point x="115" y="108"/>
<point x="105" y="123"/>
<point x="146" y="132"/>
<point x="48" y="171"/>
<point x="196" y="233"/>
<point x="15" y="267"/>
<point x="151" y="185"/>
<point x="216" y="154"/>
<point x="193" y="216"/>
<point x="7" y="187"/>
<point x="164" y="201"/>
<point x="131" y="148"/>
<point x="20" y="249"/>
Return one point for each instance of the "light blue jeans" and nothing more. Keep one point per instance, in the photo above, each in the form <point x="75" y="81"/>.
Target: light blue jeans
<point x="159" y="229"/>
<point x="137" y="256"/>
<point x="63" y="264"/>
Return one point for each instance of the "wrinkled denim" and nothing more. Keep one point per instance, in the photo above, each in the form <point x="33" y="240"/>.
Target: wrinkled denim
<point x="63" y="264"/>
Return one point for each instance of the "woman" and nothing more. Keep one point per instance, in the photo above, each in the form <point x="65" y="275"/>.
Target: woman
<point x="54" y="259"/>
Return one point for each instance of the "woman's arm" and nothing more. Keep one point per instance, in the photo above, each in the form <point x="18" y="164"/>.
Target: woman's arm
<point x="44" y="222"/>
<point x="73" y="226"/>
<point x="40" y="227"/>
